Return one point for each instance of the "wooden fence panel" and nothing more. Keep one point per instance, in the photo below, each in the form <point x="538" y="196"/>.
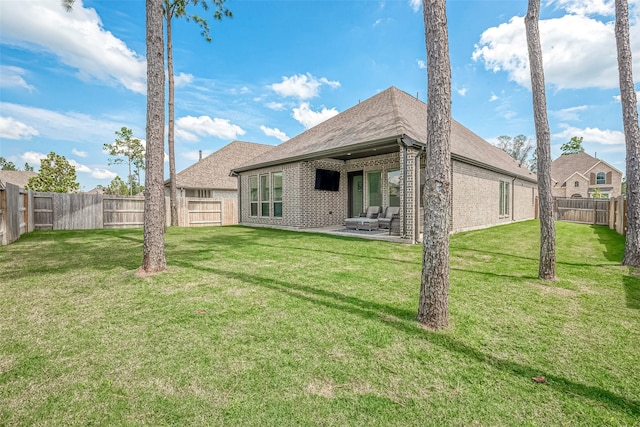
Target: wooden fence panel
<point x="203" y="212"/>
<point x="15" y="223"/>
<point x="3" y="216"/>
<point x="77" y="211"/>
<point x="589" y="211"/>
<point x="229" y="211"/>
<point x="123" y="212"/>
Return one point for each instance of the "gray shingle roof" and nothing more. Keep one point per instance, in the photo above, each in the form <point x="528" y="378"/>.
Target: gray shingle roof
<point x="564" y="166"/>
<point x="212" y="172"/>
<point x="19" y="178"/>
<point x="388" y="115"/>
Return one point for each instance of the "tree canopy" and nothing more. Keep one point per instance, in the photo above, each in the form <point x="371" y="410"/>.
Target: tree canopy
<point x="6" y="165"/>
<point x="56" y="175"/>
<point x="574" y="146"/>
<point x="129" y="147"/>
<point x="517" y="147"/>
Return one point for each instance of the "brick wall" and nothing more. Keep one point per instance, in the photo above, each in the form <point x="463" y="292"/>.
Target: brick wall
<point x="476" y="201"/>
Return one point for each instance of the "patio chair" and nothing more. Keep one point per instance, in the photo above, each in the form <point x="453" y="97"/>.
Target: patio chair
<point x="384" y="221"/>
<point x="366" y="221"/>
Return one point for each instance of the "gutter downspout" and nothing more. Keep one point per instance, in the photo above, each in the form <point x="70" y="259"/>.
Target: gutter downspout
<point x="237" y="175"/>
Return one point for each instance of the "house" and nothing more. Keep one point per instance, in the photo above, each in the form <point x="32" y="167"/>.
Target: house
<point x="579" y="175"/>
<point x="209" y="177"/>
<point x="19" y="178"/>
<point x="373" y="155"/>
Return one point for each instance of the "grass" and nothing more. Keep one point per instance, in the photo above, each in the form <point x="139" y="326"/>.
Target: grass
<point x="268" y="327"/>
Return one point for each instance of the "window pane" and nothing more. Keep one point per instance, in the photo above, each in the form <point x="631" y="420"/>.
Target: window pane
<point x="253" y="188"/>
<point x="375" y="189"/>
<point x="501" y="198"/>
<point x="277" y="186"/>
<point x="264" y="188"/>
<point x="254" y="209"/>
<point x="393" y="183"/>
<point x="265" y="209"/>
<point x="506" y="198"/>
<point x="277" y="209"/>
<point x="600" y="178"/>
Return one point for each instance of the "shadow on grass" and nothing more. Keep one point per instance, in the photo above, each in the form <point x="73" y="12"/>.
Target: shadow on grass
<point x="631" y="284"/>
<point x="612" y="241"/>
<point x="404" y="321"/>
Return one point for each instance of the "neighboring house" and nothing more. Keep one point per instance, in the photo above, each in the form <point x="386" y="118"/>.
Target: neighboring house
<point x="19" y="178"/>
<point x="373" y="155"/>
<point x="578" y="175"/>
<point x="209" y="177"/>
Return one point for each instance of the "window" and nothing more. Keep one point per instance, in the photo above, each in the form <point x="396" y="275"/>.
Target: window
<point x="504" y="198"/>
<point x="393" y="185"/>
<point x="253" y="195"/>
<point x="601" y="178"/>
<point x="576" y="184"/>
<point x="375" y="188"/>
<point x="264" y="195"/>
<point x="277" y="193"/>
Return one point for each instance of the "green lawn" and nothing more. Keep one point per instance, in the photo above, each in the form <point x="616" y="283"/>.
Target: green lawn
<point x="272" y="328"/>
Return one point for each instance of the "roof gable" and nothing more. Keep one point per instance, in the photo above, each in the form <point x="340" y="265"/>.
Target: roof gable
<point x="386" y="116"/>
<point x="564" y="166"/>
<point x="212" y="172"/>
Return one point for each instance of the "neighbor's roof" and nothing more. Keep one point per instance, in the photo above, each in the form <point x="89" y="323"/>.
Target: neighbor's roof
<point x="19" y="178"/>
<point x="564" y="166"/>
<point x="388" y="115"/>
<point x="212" y="172"/>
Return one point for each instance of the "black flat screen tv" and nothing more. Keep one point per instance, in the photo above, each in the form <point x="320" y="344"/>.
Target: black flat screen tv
<point x="327" y="180"/>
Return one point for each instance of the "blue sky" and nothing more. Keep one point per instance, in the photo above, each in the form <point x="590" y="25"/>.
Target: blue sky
<point x="68" y="81"/>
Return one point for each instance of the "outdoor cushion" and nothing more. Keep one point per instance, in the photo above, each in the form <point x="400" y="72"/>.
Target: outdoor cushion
<point x="370" y="214"/>
<point x="385" y="221"/>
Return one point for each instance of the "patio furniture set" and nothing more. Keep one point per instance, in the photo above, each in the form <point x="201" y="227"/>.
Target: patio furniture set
<point x="376" y="218"/>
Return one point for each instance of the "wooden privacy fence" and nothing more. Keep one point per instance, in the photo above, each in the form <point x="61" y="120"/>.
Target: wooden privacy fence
<point x="55" y="211"/>
<point x="14" y="213"/>
<point x="588" y="211"/>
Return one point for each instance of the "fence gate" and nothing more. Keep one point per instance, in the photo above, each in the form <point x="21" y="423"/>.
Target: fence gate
<point x="588" y="211"/>
<point x="42" y="211"/>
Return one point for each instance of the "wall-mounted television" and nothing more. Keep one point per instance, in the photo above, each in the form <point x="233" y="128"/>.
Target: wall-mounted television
<point x="327" y="180"/>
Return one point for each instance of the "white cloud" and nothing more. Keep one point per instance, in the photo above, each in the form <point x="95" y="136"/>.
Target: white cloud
<point x="195" y="155"/>
<point x="13" y="77"/>
<point x="103" y="174"/>
<point x="77" y="38"/>
<point x="11" y="128"/>
<point x="309" y="118"/>
<point x="79" y="167"/>
<point x="277" y="106"/>
<point x="33" y="158"/>
<point x="378" y="22"/>
<point x="190" y="128"/>
<point x="183" y="79"/>
<point x="302" y="86"/>
<point x="422" y="64"/>
<point x="567" y="114"/>
<point x="275" y="132"/>
<point x="462" y="92"/>
<point x="415" y="4"/>
<point x="586" y="7"/>
<point x="79" y="153"/>
<point x="493" y="97"/>
<point x="578" y="51"/>
<point x="600" y="136"/>
<point x="69" y="126"/>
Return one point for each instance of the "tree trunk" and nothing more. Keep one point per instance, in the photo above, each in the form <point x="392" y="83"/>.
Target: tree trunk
<point x="172" y="153"/>
<point x="631" y="134"/>
<point x="153" y="259"/>
<point x="547" y="267"/>
<point x="433" y="309"/>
